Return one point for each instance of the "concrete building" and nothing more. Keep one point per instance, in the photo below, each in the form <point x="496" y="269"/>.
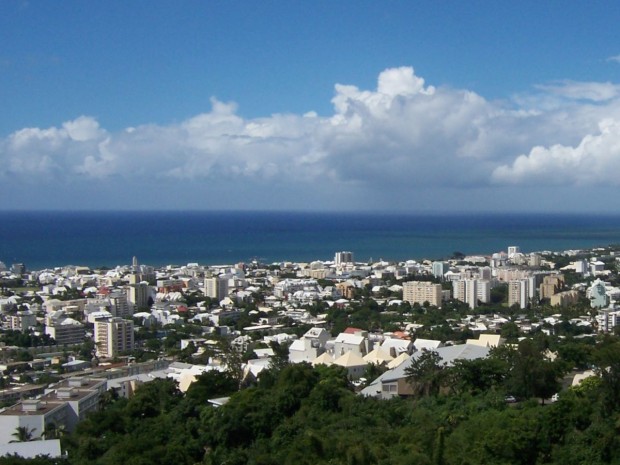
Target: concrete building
<point x="513" y="250"/>
<point x="113" y="336"/>
<point x="340" y="258"/>
<point x="62" y="407"/>
<point x="23" y="321"/>
<point x="216" y="287"/>
<point x="64" y="330"/>
<point x="138" y="295"/>
<point x="518" y="293"/>
<point x="466" y="290"/>
<point x="598" y="294"/>
<point x="119" y="305"/>
<point x="608" y="319"/>
<point x="440" y="269"/>
<point x="564" y="299"/>
<point x="552" y="284"/>
<point x="421" y="291"/>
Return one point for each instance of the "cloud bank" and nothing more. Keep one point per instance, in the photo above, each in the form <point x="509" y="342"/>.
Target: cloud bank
<point x="395" y="141"/>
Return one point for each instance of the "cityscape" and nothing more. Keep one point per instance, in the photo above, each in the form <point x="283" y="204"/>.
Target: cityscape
<point x="72" y="335"/>
<point x="309" y="233"/>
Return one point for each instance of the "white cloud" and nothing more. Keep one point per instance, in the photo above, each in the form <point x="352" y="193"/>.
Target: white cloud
<point x="615" y="59"/>
<point x="595" y="160"/>
<point x="595" y="91"/>
<point x="399" y="138"/>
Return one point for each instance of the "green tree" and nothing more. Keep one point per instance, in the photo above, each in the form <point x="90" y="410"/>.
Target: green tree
<point x="23" y="434"/>
<point x="426" y="373"/>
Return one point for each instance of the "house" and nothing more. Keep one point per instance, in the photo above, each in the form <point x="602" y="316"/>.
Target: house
<point x="378" y="356"/>
<point x="394" y="382"/>
<point x="309" y="346"/>
<point x="487" y="340"/>
<point x="355" y="343"/>
<point x="353" y="363"/>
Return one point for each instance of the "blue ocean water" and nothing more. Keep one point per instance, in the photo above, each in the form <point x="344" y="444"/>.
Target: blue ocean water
<point x="47" y="239"/>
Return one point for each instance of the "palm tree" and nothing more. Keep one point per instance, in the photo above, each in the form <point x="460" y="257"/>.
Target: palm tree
<point x="54" y="431"/>
<point x="23" y="434"/>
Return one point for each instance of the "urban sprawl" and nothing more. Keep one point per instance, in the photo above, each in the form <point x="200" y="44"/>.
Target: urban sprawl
<point x="72" y="334"/>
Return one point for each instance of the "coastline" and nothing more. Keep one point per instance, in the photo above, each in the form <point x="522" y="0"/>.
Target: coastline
<point x="51" y="239"/>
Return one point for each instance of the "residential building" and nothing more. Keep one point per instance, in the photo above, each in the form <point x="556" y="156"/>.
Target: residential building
<point x="62" y="407"/>
<point x="216" y="287"/>
<point x="340" y="258"/>
<point x="113" y="336"/>
<point x="420" y="292"/>
<point x="518" y="293"/>
<point x="440" y="269"/>
<point x="598" y="294"/>
<point x="552" y="284"/>
<point x="564" y="299"/>
<point x="466" y="290"/>
<point x="138" y="295"/>
<point x="119" y="305"/>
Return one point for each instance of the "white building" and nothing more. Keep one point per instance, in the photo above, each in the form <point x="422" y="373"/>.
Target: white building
<point x="340" y="258"/>
<point x="113" y="336"/>
<point x="466" y="290"/>
<point x="518" y="293"/>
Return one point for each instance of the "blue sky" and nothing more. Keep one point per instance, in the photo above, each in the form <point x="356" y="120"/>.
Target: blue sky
<point x="393" y="105"/>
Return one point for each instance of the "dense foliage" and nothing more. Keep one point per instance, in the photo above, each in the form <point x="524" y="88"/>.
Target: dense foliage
<point x="296" y="414"/>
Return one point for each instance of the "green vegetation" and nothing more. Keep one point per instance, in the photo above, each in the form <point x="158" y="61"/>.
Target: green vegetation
<point x="296" y="414"/>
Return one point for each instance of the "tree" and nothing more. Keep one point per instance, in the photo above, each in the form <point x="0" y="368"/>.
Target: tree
<point x="530" y="374"/>
<point x="23" y="434"/>
<point x="426" y="373"/>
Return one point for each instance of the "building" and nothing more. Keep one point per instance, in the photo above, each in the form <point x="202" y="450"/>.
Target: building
<point x="23" y="321"/>
<point x="420" y="292"/>
<point x="466" y="290"/>
<point x="484" y="291"/>
<point x="216" y="287"/>
<point x="113" y="336"/>
<point x="440" y="269"/>
<point x="513" y="250"/>
<point x="120" y="306"/>
<point x="608" y="319"/>
<point x="343" y="257"/>
<point x="60" y="408"/>
<point x="598" y="294"/>
<point x="64" y="330"/>
<point x="564" y="299"/>
<point x="138" y="295"/>
<point x="551" y="285"/>
<point x="518" y="293"/>
<point x="394" y="383"/>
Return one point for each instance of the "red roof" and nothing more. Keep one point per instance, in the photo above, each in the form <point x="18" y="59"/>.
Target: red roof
<point x="352" y="330"/>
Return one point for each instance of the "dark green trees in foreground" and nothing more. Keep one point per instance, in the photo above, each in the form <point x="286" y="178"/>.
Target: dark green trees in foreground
<point x="296" y="414"/>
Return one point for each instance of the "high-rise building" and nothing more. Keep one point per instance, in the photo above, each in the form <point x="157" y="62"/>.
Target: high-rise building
<point x="216" y="287"/>
<point x="343" y="257"/>
<point x="113" y="336"/>
<point x="513" y="250"/>
<point x="598" y="294"/>
<point x="138" y="295"/>
<point x="439" y="269"/>
<point x="518" y="293"/>
<point x="466" y="290"/>
<point x="119" y="305"/>
<point x="421" y="291"/>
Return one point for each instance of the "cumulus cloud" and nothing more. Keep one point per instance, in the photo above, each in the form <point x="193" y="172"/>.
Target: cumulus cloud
<point x="595" y="160"/>
<point x="400" y="137"/>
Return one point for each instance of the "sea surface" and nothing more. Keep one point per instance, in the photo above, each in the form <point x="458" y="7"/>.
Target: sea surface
<point x="48" y="239"/>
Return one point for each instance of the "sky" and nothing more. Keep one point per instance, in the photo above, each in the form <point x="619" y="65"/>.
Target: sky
<point x="404" y="106"/>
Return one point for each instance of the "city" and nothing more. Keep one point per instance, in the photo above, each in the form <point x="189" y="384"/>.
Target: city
<point x="73" y="336"/>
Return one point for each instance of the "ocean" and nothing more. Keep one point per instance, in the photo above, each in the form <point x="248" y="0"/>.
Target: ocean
<point x="49" y="239"/>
